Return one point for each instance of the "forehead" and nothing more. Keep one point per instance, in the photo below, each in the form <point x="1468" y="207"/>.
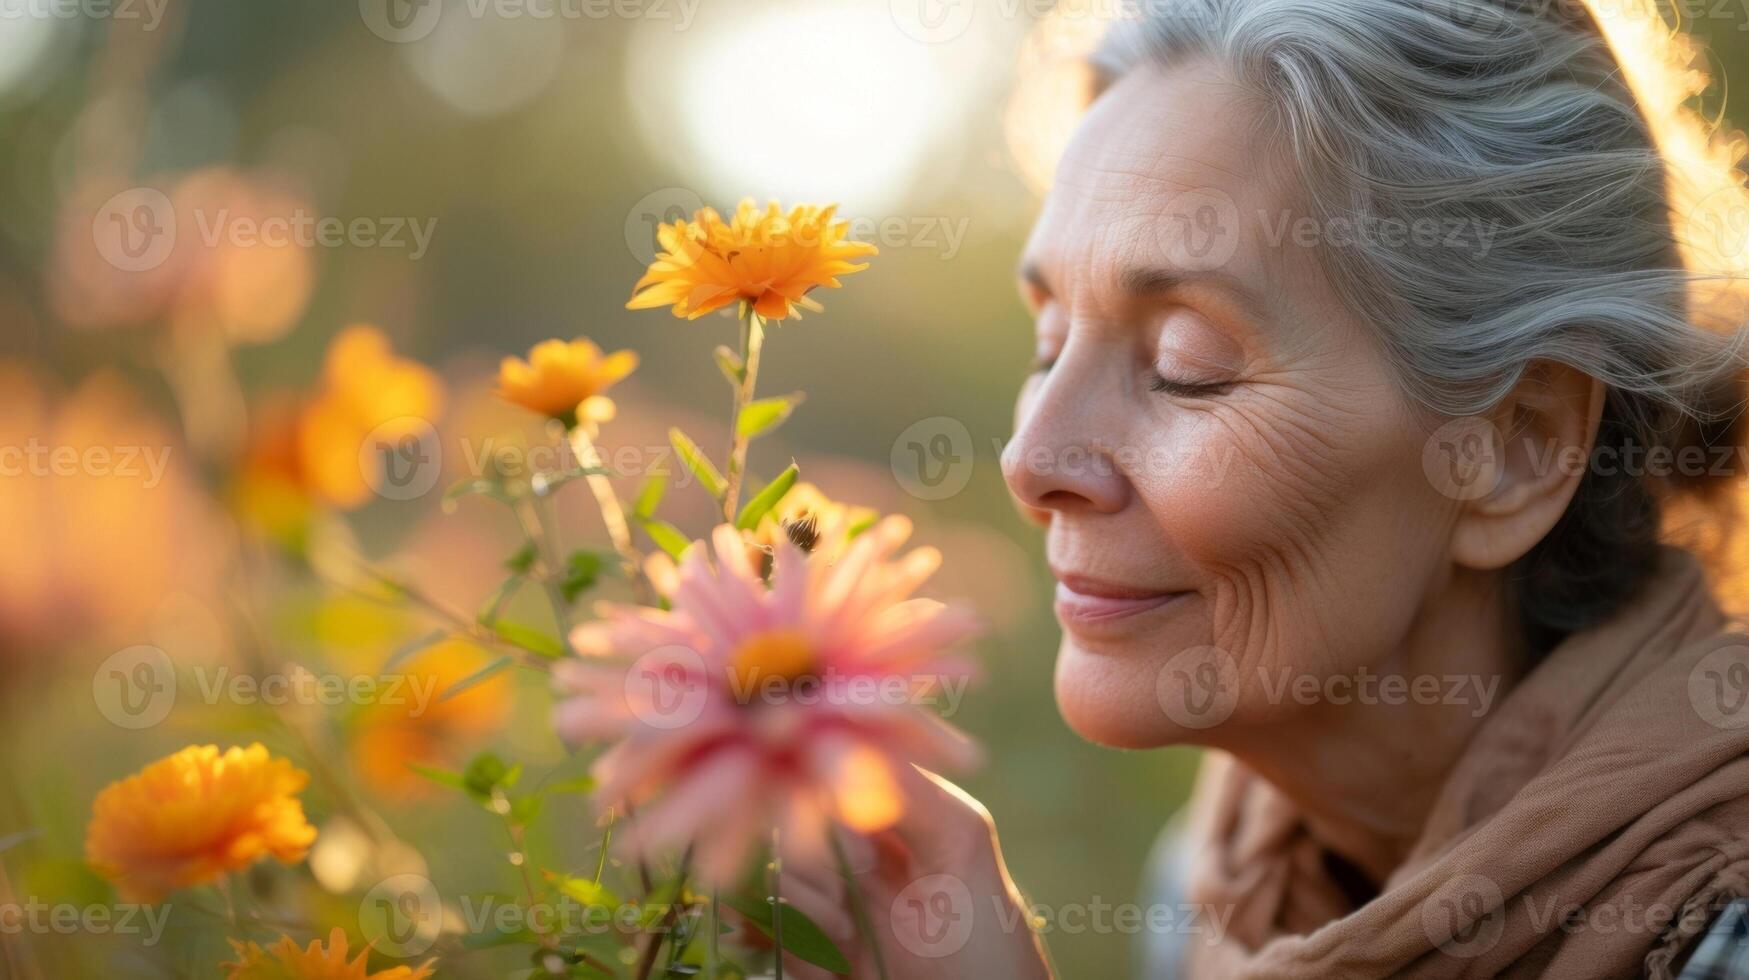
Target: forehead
<point x="1169" y="169"/>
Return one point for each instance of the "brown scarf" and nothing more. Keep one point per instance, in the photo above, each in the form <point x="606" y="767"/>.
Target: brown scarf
<point x="1592" y="828"/>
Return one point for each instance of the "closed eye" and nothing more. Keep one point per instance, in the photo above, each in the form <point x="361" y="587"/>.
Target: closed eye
<point x="1189" y="389"/>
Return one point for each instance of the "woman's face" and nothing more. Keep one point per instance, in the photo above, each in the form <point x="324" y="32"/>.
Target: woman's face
<point x="1231" y="478"/>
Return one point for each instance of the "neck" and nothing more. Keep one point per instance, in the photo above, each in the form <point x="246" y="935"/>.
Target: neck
<point x="1367" y="769"/>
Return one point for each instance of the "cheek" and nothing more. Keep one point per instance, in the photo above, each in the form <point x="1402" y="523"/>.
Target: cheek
<point x="1308" y="530"/>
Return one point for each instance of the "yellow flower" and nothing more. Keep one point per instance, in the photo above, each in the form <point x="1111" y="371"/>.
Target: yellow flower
<point x="768" y="258"/>
<point x="367" y="393"/>
<point x="195" y="816"/>
<point x="284" y="960"/>
<point x="565" y="380"/>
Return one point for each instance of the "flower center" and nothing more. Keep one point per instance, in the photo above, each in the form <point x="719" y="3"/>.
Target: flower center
<point x="784" y="654"/>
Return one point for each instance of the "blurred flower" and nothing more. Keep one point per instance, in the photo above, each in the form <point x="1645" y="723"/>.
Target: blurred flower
<point x="310" y="452"/>
<point x="195" y="816"/>
<point x="104" y="522"/>
<point x="743" y="754"/>
<point x="565" y="380"/>
<point x="284" y="960"/>
<point x="421" y="726"/>
<point x="768" y="258"/>
<point x="366" y="390"/>
<point x="213" y="273"/>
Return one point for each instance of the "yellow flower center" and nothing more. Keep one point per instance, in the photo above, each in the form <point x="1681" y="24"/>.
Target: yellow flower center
<point x="785" y="654"/>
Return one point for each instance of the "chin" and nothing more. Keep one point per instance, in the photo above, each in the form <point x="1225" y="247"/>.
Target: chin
<point x="1109" y="698"/>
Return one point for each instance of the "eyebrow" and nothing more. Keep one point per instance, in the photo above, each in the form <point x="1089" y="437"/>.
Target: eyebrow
<point x="1143" y="282"/>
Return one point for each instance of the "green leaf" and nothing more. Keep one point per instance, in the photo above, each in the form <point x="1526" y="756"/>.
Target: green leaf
<point x="801" y="937"/>
<point x="583" y="891"/>
<point x="406" y="650"/>
<point x="667" y="537"/>
<point x="487" y="772"/>
<point x="523" y="560"/>
<point x="477" y="677"/>
<point x="767" y="498"/>
<point x="766" y="414"/>
<point x="649" y="496"/>
<point x="530" y="639"/>
<point x="442" y="777"/>
<point x="730" y="364"/>
<point x="495" y="603"/>
<point x="698" y="463"/>
<point x="581" y="570"/>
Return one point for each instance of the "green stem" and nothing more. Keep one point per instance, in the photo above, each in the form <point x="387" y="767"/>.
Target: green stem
<point x="777" y="903"/>
<point x="752" y="341"/>
<point x="858" y="908"/>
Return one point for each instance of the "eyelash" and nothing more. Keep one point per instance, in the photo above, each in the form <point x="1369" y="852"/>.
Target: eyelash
<point x="1188" y="389"/>
<point x="1161" y="384"/>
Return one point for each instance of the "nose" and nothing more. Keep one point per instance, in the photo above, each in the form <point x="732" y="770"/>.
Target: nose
<point x="1059" y="460"/>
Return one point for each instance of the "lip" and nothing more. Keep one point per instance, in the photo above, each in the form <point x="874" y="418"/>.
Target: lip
<point x="1084" y="602"/>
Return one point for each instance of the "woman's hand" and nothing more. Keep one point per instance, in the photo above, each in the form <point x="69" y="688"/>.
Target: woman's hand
<point x="938" y="898"/>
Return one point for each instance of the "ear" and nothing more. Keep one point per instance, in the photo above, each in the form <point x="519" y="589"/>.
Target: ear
<point x="1542" y="434"/>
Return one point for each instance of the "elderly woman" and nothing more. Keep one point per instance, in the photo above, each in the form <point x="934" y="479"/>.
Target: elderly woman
<point x="1372" y="368"/>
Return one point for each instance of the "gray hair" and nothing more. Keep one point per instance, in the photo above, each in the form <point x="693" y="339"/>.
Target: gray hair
<point x="1514" y="115"/>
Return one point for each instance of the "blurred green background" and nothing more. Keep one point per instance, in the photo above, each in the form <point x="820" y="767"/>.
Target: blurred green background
<point x="539" y="142"/>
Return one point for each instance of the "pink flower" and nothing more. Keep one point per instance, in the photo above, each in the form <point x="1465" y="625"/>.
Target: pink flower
<point x="749" y="707"/>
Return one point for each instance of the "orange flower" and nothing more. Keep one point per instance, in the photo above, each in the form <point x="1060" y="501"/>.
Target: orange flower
<point x="284" y="960"/>
<point x="565" y="380"/>
<point x="768" y="258"/>
<point x="195" y="816"/>
<point x="366" y="391"/>
<point x="425" y="727"/>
